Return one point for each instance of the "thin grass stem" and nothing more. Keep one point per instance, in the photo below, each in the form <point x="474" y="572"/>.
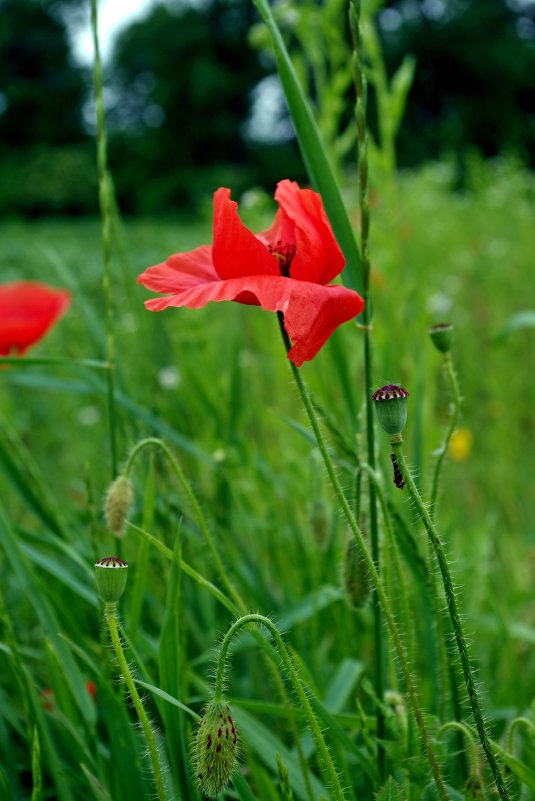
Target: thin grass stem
<point x="105" y="214"/>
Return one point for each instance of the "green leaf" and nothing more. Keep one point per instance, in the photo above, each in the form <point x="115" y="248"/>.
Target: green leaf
<point x="390" y="791"/>
<point x="314" y="154"/>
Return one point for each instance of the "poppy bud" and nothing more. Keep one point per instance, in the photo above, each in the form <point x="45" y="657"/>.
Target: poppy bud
<point x="215" y="748"/>
<point x="356" y="576"/>
<point x="119" y="499"/>
<point x="442" y="336"/>
<point x="391" y="408"/>
<point x="110" y="576"/>
<point x="474" y="789"/>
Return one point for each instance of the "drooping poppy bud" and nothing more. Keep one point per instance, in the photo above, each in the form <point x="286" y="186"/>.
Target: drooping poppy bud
<point x="216" y="745"/>
<point x="110" y="576"/>
<point x="119" y="499"/>
<point x="391" y="407"/>
<point x="442" y="336"/>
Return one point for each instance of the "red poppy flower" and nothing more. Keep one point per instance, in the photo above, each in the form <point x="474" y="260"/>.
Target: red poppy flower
<point x="287" y="269"/>
<point x="27" y="311"/>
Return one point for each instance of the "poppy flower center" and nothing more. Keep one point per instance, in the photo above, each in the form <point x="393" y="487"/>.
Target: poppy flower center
<point x="284" y="253"/>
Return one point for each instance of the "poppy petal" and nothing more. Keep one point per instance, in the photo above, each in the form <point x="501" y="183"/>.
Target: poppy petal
<point x="27" y="311"/>
<point x="311" y="311"/>
<point x="236" y="251"/>
<point x="318" y="257"/>
<point x="181" y="271"/>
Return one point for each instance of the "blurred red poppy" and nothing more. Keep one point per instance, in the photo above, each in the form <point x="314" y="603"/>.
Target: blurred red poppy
<point x="27" y="311"/>
<point x="285" y="269"/>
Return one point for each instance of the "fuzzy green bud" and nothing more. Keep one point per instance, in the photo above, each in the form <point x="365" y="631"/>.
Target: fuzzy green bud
<point x="391" y="407"/>
<point x="442" y="336"/>
<point x="216" y="744"/>
<point x="119" y="499"/>
<point x="474" y="789"/>
<point x="356" y="576"/>
<point x="110" y="576"/>
<point x="319" y="519"/>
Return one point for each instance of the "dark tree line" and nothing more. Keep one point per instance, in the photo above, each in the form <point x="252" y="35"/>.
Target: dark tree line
<point x="180" y="90"/>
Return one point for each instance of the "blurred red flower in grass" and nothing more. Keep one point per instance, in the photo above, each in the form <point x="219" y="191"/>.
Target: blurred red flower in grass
<point x="286" y="269"/>
<point x="27" y="311"/>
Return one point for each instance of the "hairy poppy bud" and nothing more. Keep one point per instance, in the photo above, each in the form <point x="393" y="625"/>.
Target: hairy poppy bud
<point x="442" y="336"/>
<point x="110" y="576"/>
<point x="474" y="789"/>
<point x="391" y="408"/>
<point x="356" y="576"/>
<point x="215" y="748"/>
<point x="119" y="499"/>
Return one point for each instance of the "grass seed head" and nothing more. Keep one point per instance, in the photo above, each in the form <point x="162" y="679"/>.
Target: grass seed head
<point x="119" y="499"/>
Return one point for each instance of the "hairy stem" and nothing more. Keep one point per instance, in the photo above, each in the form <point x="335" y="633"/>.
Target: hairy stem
<point x="294" y="679"/>
<point x="451" y="428"/>
<point x="455" y="618"/>
<point x="111" y="617"/>
<point x="374" y="575"/>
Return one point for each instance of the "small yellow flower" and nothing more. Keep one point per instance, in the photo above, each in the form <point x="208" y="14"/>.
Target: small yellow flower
<point x="460" y="445"/>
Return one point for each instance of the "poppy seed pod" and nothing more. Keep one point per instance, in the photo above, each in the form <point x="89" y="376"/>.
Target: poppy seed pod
<point x="391" y="407"/>
<point x="110" y="576"/>
<point x="442" y="336"/>
<point x="119" y="499"/>
<point x="215" y="748"/>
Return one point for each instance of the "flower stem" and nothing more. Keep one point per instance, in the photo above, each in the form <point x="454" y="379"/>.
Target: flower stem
<point x="374" y="575"/>
<point x="453" y="610"/>
<point x="451" y="428"/>
<point x="360" y="82"/>
<point x="296" y="684"/>
<point x="460" y="727"/>
<point x="105" y="213"/>
<point x="111" y="617"/>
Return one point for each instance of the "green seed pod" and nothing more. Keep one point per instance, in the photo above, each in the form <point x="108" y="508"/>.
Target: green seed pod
<point x="356" y="576"/>
<point x="391" y="407"/>
<point x="216" y="744"/>
<point x="119" y="499"/>
<point x="442" y="336"/>
<point x="110" y="576"/>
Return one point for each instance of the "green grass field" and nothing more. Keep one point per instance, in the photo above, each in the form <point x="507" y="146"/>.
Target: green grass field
<point x="215" y="385"/>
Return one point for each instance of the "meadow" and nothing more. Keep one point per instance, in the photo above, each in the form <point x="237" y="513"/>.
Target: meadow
<point x="215" y="386"/>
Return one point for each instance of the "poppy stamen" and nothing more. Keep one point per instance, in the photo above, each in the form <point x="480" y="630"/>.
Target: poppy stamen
<point x="284" y="253"/>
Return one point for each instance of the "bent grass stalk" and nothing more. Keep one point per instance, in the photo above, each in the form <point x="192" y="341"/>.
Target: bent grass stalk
<point x="105" y="212"/>
<point x="381" y="595"/>
<point x="111" y="617"/>
<point x="453" y="610"/>
<point x="296" y="684"/>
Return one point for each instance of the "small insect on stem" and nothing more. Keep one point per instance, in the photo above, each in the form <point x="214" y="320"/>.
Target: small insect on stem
<point x="398" y="478"/>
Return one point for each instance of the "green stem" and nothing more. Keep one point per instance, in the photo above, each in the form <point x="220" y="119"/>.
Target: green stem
<point x="453" y="610"/>
<point x="105" y="212"/>
<point x="207" y="534"/>
<point x="374" y="575"/>
<point x="455" y="724"/>
<point x="361" y="91"/>
<point x="519" y="722"/>
<point x="111" y="616"/>
<point x="451" y="428"/>
<point x="296" y="684"/>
